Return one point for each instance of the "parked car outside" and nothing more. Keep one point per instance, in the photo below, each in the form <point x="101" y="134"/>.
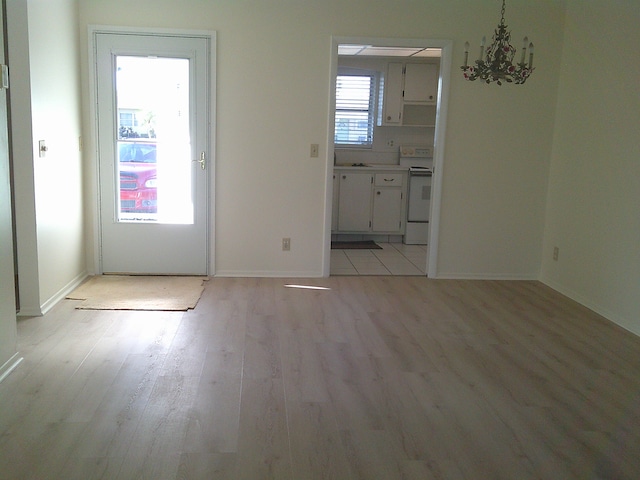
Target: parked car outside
<point x="138" y="178"/>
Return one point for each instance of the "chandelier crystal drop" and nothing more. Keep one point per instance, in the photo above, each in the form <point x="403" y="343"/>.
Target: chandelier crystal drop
<point x="496" y="64"/>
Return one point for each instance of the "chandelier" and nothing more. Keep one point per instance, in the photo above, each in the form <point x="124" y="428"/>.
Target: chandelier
<point x="496" y="64"/>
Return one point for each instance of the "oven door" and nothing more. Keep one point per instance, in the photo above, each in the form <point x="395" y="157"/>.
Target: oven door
<point x="419" y="202"/>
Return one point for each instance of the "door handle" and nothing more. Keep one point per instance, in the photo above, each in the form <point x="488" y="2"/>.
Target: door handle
<point x="203" y="160"/>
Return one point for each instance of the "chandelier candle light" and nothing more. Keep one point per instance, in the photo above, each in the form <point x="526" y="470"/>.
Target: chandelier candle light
<point x="497" y="64"/>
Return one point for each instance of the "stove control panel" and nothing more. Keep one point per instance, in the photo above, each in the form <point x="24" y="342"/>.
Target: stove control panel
<point x="419" y="152"/>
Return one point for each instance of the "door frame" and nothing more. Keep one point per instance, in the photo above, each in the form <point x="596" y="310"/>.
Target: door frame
<point x="439" y="137"/>
<point x="94" y="258"/>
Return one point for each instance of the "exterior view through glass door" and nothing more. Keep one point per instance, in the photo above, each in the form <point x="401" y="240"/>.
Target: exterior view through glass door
<point x="152" y="134"/>
<point x="153" y="141"/>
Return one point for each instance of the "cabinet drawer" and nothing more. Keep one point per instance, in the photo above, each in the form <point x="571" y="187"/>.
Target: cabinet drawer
<point x="388" y="179"/>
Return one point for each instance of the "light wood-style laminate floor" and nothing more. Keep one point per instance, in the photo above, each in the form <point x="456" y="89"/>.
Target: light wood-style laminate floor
<point x="375" y="378"/>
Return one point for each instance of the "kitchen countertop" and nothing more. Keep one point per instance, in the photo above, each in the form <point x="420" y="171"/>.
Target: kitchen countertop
<point x="370" y="166"/>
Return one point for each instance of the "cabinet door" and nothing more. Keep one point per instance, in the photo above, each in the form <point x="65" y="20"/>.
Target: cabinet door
<point x="392" y="109"/>
<point x="354" y="210"/>
<point x="387" y="210"/>
<point x="420" y="82"/>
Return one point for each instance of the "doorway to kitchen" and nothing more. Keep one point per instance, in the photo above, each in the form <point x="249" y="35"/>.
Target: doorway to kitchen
<point x="402" y="101"/>
<point x="152" y="92"/>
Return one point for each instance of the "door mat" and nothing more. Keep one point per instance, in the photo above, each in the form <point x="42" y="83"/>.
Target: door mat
<point x="360" y="245"/>
<point x="133" y="292"/>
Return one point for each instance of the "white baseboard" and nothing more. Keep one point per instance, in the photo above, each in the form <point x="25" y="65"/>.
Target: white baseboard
<point x="582" y="300"/>
<point x="485" y="276"/>
<point x="267" y="274"/>
<point x="28" y="312"/>
<point x="59" y="295"/>
<point x="63" y="292"/>
<point x="9" y="366"/>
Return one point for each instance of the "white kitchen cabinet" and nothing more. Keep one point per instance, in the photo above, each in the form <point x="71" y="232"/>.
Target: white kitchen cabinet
<point x="354" y="203"/>
<point x="387" y="209"/>
<point x="371" y="202"/>
<point x="410" y="94"/>
<point x="420" y="83"/>
<point x="392" y="105"/>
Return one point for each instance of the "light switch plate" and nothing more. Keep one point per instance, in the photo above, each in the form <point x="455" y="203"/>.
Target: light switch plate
<point x="42" y="148"/>
<point x="314" y="150"/>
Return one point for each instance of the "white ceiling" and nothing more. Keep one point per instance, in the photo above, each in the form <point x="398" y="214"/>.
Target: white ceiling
<point x="370" y="50"/>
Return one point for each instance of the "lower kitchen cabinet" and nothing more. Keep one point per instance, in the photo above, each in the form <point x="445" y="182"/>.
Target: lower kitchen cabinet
<point x="370" y="201"/>
<point x="387" y="209"/>
<point x="354" y="202"/>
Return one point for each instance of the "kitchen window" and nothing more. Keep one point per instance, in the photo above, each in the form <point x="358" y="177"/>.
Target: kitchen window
<point x="355" y="109"/>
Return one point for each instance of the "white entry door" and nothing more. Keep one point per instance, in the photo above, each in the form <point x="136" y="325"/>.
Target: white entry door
<point x="153" y="124"/>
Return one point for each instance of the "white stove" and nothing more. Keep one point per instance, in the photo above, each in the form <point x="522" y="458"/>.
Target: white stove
<point x="419" y="159"/>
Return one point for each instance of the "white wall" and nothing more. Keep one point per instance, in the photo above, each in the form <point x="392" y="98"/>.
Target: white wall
<point x="8" y="331"/>
<point x="43" y="51"/>
<point x="594" y="189"/>
<point x="273" y="74"/>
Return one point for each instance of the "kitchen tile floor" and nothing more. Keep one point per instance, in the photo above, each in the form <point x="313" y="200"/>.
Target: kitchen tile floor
<point x="393" y="259"/>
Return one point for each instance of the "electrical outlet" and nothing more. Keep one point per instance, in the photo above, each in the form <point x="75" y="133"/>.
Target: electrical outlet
<point x="315" y="148"/>
<point x="286" y="244"/>
<point x="390" y="143"/>
<point x="556" y="252"/>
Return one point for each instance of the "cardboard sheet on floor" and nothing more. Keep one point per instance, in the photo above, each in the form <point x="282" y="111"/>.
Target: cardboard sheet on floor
<point x="134" y="292"/>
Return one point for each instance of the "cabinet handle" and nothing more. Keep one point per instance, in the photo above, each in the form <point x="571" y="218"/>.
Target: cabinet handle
<point x="344" y="177"/>
<point x="389" y="179"/>
<point x="378" y="192"/>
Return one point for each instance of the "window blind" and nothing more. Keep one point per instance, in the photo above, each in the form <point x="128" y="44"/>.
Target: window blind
<point x="354" y="110"/>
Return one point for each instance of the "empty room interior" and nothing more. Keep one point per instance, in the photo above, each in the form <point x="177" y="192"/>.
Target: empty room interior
<point x="414" y="224"/>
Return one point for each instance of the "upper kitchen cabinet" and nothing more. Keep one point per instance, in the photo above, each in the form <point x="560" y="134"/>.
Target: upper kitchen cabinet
<point x="410" y="94"/>
<point x="420" y="83"/>
<point x="393" y="87"/>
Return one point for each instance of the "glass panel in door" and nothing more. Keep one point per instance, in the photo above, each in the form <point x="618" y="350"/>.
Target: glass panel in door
<point x="154" y="173"/>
